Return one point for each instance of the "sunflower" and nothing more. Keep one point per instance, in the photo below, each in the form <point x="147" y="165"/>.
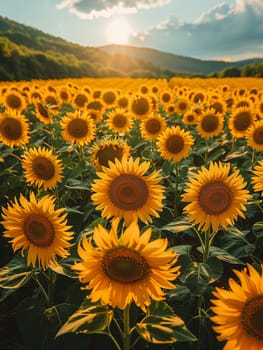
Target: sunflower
<point x="13" y="100"/>
<point x="123" y="190"/>
<point x="80" y="99"/>
<point x="257" y="178"/>
<point x="14" y="129"/>
<point x="238" y="311"/>
<point x="141" y="105"/>
<point x="182" y="105"/>
<point x="108" y="97"/>
<point x="166" y="96"/>
<point x="215" y="197"/>
<point x="43" y="112"/>
<point x="37" y="227"/>
<point x="210" y="123"/>
<point x="152" y="126"/>
<point x="64" y="95"/>
<point x="240" y="120"/>
<point x="174" y="143"/>
<point x="190" y="118"/>
<point x="254" y="136"/>
<point x="41" y="168"/>
<point x="120" y="270"/>
<point x="107" y="151"/>
<point x="119" y="120"/>
<point x="123" y="101"/>
<point x="78" y="127"/>
<point x="95" y="115"/>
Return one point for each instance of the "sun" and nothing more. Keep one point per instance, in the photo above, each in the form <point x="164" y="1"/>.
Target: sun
<point x="118" y="31"/>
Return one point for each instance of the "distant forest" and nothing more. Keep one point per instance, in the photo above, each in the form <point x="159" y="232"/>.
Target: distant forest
<point x="27" y="53"/>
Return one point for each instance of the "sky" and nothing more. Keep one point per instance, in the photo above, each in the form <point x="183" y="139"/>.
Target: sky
<point x="227" y="30"/>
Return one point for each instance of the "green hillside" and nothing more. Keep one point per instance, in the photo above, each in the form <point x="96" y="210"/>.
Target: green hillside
<point x="27" y="53"/>
<point x="175" y="62"/>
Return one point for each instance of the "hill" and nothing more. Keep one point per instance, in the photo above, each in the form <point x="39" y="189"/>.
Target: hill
<point x="28" y="53"/>
<point x="174" y="62"/>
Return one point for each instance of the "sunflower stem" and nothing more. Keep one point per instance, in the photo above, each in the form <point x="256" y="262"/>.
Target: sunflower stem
<point x="126" y="328"/>
<point x="51" y="285"/>
<point x="206" y="246"/>
<point x="42" y="289"/>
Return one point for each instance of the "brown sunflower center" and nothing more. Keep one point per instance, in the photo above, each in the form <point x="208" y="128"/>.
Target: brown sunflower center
<point x="252" y="317"/>
<point x="174" y="144"/>
<point x="218" y="107"/>
<point x="190" y="118"/>
<point x="42" y="110"/>
<point x="119" y="121"/>
<point x="166" y="97"/>
<point x="109" y="97"/>
<point x="123" y="102"/>
<point x="210" y="123"/>
<point x="128" y="192"/>
<point x="153" y="126"/>
<point x="39" y="230"/>
<point x="64" y="95"/>
<point x="242" y="121"/>
<point x="108" y="153"/>
<point x="11" y="128"/>
<point x="14" y="101"/>
<point x="258" y="136"/>
<point x="182" y="106"/>
<point x="140" y="106"/>
<point x="125" y="265"/>
<point x="215" y="198"/>
<point x="80" y="100"/>
<point x="78" y="128"/>
<point x="43" y="168"/>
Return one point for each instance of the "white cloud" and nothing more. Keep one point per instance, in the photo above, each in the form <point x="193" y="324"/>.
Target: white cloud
<point x="223" y="31"/>
<point x="89" y="9"/>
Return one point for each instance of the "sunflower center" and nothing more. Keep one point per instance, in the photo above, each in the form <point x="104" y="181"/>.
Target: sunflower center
<point x="215" y="198"/>
<point x="42" y="110"/>
<point x="109" y="153"/>
<point x="217" y="106"/>
<point x="13" y="101"/>
<point x="119" y="121"/>
<point x="39" y="230"/>
<point x="43" y="168"/>
<point x="210" y="123"/>
<point x="166" y="97"/>
<point x="125" y="265"/>
<point x="11" y="128"/>
<point x="80" y="100"/>
<point x="190" y="118"/>
<point x="128" y="192"/>
<point x="182" y="106"/>
<point x="174" y="144"/>
<point x="258" y="136"/>
<point x="242" y="121"/>
<point x="109" y="97"/>
<point x="78" y="128"/>
<point x="252" y="317"/>
<point x="140" y="106"/>
<point x="153" y="126"/>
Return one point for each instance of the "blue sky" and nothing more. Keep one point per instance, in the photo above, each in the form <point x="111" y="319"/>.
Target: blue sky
<point x="205" y="29"/>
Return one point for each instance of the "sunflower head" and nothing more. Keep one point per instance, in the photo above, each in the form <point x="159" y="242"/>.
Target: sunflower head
<point x="14" y="128"/>
<point x="80" y="99"/>
<point x="210" y="123"/>
<point x="119" y="120"/>
<point x="257" y="177"/>
<point x="241" y="306"/>
<point x="152" y="126"/>
<point x="127" y="267"/>
<point x="78" y="127"/>
<point x="35" y="226"/>
<point x="14" y="100"/>
<point x="216" y="197"/>
<point x="141" y="105"/>
<point x="240" y="121"/>
<point x="124" y="190"/>
<point x="42" y="168"/>
<point x="254" y="136"/>
<point x="174" y="143"/>
<point x="107" y="151"/>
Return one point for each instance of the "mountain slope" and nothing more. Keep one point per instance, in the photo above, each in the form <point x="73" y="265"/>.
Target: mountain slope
<point x="176" y="62"/>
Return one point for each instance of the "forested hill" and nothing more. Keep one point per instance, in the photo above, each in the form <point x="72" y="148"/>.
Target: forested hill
<point x="28" y="53"/>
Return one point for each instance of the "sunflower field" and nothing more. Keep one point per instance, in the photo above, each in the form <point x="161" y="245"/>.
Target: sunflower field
<point x="131" y="214"/>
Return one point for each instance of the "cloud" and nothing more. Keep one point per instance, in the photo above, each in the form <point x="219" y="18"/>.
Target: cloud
<point x="225" y="30"/>
<point x="89" y="9"/>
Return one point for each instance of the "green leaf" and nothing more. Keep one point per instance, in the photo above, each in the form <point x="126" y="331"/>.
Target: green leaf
<point x="162" y="326"/>
<point x="177" y="226"/>
<point x="223" y="255"/>
<point x="14" y="275"/>
<point x="91" y="319"/>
